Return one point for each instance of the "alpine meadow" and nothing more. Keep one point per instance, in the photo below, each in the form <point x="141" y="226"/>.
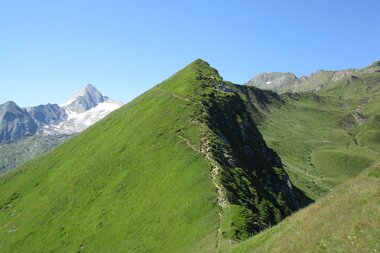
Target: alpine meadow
<point x="189" y="126"/>
<point x="198" y="164"/>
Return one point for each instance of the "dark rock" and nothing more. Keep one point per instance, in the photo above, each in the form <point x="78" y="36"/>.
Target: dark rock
<point x="276" y="81"/>
<point x="251" y="173"/>
<point x="47" y="114"/>
<point x="15" y="123"/>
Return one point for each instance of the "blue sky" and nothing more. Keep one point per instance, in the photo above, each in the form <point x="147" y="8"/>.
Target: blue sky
<point x="50" y="49"/>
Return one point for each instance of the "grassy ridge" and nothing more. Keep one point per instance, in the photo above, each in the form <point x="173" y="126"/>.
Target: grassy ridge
<point x="150" y="176"/>
<point x="129" y="180"/>
<point x="172" y="171"/>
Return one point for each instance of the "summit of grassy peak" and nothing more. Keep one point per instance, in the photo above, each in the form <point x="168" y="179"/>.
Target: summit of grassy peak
<point x="189" y="80"/>
<point x="205" y="69"/>
<point x="200" y="61"/>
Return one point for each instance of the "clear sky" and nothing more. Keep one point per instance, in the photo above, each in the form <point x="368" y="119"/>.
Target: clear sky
<point x="50" y="49"/>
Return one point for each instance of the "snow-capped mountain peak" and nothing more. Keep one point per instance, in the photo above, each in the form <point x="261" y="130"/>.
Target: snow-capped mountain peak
<point x="82" y="110"/>
<point x="87" y="98"/>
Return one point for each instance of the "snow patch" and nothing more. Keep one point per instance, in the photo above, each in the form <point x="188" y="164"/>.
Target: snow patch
<point x="77" y="122"/>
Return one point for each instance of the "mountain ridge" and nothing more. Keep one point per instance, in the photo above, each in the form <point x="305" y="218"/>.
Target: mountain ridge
<point x="282" y="82"/>
<point x="184" y="176"/>
<point x="48" y="125"/>
<point x="230" y="121"/>
<point x="15" y="122"/>
<point x="199" y="164"/>
<point x="52" y="119"/>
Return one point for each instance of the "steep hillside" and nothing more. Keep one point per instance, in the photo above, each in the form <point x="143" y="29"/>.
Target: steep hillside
<point x="326" y="137"/>
<point x="330" y="147"/>
<point x="345" y="220"/>
<point x="182" y="168"/>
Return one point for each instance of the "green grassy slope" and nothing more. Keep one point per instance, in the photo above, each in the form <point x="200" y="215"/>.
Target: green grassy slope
<point x="329" y="144"/>
<point x="253" y="189"/>
<point x="317" y="81"/>
<point x="321" y="137"/>
<point x="345" y="220"/>
<point x="182" y="168"/>
<point x="128" y="183"/>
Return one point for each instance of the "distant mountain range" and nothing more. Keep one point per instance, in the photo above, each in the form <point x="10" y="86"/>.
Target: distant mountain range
<point x="82" y="110"/>
<point x="282" y="82"/>
<point x="28" y="132"/>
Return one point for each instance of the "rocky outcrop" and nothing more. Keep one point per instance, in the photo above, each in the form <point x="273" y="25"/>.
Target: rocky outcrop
<point x="282" y="82"/>
<point x="47" y="114"/>
<point x="15" y="123"/>
<point x="277" y="81"/>
<point x="340" y="74"/>
<point x="85" y="99"/>
<point x="254" y="183"/>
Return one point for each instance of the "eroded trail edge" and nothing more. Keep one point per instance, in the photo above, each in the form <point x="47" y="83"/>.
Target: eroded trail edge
<point x="206" y="151"/>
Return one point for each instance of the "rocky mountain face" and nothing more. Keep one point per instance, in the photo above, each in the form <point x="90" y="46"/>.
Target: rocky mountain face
<point x="28" y="132"/>
<point x="282" y="82"/>
<point x="82" y="110"/>
<point x="15" y="123"/>
<point x="277" y="80"/>
<point x="252" y="174"/>
<point x="85" y="99"/>
<point x="46" y="114"/>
